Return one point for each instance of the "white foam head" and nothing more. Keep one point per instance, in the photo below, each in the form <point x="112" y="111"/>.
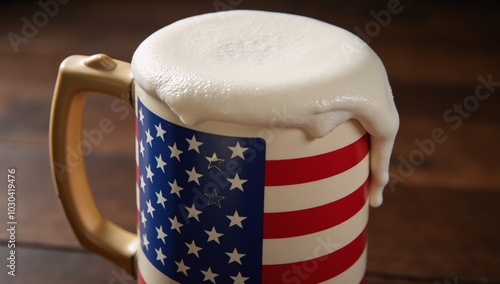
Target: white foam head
<point x="244" y="66"/>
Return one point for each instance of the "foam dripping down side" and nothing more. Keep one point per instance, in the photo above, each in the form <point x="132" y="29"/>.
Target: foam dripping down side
<point x="245" y="66"/>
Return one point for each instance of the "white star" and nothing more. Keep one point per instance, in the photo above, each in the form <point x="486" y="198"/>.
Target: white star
<point x="175" y="224"/>
<point x="161" y="235"/>
<point x="160" y="132"/>
<point x="161" y="199"/>
<point x="141" y="147"/>
<point x="214" y="162"/>
<point x="150" y="174"/>
<point x="151" y="209"/>
<point x="141" y="116"/>
<point x="238" y="151"/>
<point x="160" y="163"/>
<point x="175" y="152"/>
<point x="235" y="256"/>
<point x="149" y="138"/>
<point x="236" y="182"/>
<point x="193" y="212"/>
<point x="239" y="279"/>
<point x="209" y="275"/>
<point x="145" y="241"/>
<point x="193" y="249"/>
<point x="143" y="184"/>
<point x="213" y="235"/>
<point x="181" y="267"/>
<point x="194" y="176"/>
<point x="236" y="219"/>
<point x="143" y="218"/>
<point x="194" y="144"/>
<point x="175" y="188"/>
<point x="160" y="256"/>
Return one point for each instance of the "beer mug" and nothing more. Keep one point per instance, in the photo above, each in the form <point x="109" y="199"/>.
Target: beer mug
<point x="261" y="140"/>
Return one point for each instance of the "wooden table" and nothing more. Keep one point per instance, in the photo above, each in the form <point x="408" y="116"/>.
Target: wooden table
<point x="440" y="219"/>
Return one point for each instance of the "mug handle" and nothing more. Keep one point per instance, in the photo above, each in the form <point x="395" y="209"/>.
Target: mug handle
<point x="77" y="76"/>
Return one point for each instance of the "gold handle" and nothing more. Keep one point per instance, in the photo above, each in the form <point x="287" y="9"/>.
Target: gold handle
<point x="78" y="75"/>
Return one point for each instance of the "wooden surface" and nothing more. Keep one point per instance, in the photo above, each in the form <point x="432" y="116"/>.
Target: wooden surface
<point x="440" y="219"/>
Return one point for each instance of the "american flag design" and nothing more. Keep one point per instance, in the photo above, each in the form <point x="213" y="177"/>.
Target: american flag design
<point x="213" y="209"/>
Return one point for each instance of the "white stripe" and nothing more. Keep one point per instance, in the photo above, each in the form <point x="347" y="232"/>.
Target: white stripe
<point x="281" y="142"/>
<point x="291" y="143"/>
<point x="353" y="274"/>
<point x="150" y="274"/>
<point x="317" y="193"/>
<point x="289" y="250"/>
<point x="137" y="151"/>
<point x="138" y="199"/>
<point x="137" y="180"/>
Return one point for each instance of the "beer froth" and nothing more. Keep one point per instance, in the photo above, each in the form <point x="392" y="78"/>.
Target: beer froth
<point x="242" y="66"/>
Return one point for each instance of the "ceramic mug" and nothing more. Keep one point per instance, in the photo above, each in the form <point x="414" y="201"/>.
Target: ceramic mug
<point x="217" y="201"/>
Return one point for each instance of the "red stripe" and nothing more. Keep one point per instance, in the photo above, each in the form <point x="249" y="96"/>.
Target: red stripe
<point x="307" y="221"/>
<point x="307" y="169"/>
<point x="319" y="269"/>
<point x="362" y="280"/>
<point x="140" y="280"/>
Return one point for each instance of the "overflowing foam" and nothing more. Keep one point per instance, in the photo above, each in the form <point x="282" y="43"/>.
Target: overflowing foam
<point x="245" y="66"/>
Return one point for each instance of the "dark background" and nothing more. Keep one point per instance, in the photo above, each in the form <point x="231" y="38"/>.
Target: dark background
<point x="440" y="219"/>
